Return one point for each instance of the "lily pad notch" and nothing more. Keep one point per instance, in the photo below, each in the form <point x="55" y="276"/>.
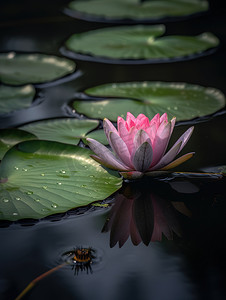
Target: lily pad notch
<point x="137" y="44"/>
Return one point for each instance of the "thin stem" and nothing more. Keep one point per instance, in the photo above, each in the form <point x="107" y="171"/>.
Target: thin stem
<point x="37" y="279"/>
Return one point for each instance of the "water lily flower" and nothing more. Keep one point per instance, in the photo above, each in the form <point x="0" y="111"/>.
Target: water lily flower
<point x="140" y="145"/>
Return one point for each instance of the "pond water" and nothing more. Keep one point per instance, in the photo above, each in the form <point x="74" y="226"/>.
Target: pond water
<point x="190" y="211"/>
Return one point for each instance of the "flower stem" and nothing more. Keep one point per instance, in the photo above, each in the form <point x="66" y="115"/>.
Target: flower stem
<point x="37" y="279"/>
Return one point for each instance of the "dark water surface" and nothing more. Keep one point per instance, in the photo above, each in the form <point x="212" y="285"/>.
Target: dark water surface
<point x="193" y="264"/>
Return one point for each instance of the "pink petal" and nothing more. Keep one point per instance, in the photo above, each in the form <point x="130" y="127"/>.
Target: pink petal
<point x="177" y="147"/>
<point x="130" y="120"/>
<point x="151" y="131"/>
<point x="121" y="120"/>
<point x="143" y="157"/>
<point x="108" y="127"/>
<point x="178" y="161"/>
<point x="130" y="117"/>
<point x="120" y="148"/>
<point x="114" y="165"/>
<point x="161" y="142"/>
<point x="142" y="122"/>
<point x="155" y="120"/>
<point x="173" y="121"/>
<point x="127" y="136"/>
<point x="164" y="118"/>
<point x="185" y="137"/>
<point x="167" y="158"/>
<point x="105" y="156"/>
<point x="140" y="137"/>
<point x="141" y="117"/>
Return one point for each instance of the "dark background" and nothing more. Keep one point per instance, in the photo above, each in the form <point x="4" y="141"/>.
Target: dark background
<point x="193" y="268"/>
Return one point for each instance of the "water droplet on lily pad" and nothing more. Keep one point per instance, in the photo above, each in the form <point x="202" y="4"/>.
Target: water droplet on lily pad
<point x="18" y="198"/>
<point x="59" y="183"/>
<point x="24" y="169"/>
<point x="15" y="214"/>
<point x="29" y="193"/>
<point x="54" y="205"/>
<point x="16" y="168"/>
<point x="45" y="187"/>
<point x="62" y="171"/>
<point x="5" y="200"/>
<point x="44" y="209"/>
<point x="42" y="174"/>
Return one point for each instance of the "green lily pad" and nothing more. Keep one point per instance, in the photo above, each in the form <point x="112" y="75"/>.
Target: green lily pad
<point x="21" y="68"/>
<point x="68" y="131"/>
<point x="97" y="135"/>
<point x="15" y="98"/>
<point x="134" y="9"/>
<point x="137" y="43"/>
<point x="184" y="101"/>
<point x="40" y="178"/>
<point x="11" y="137"/>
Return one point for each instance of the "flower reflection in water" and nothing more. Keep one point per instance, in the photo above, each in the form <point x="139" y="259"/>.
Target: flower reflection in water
<point x="143" y="215"/>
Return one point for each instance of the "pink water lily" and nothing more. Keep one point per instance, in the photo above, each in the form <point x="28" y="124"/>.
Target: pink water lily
<point x="140" y="145"/>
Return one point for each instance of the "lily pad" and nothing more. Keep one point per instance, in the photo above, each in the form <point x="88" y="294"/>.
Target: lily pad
<point x="184" y="101"/>
<point x="133" y="44"/>
<point x="24" y="68"/>
<point x="135" y="10"/>
<point x="68" y="130"/>
<point x="11" y="137"/>
<point x="15" y="98"/>
<point x="97" y="135"/>
<point x="40" y="178"/>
